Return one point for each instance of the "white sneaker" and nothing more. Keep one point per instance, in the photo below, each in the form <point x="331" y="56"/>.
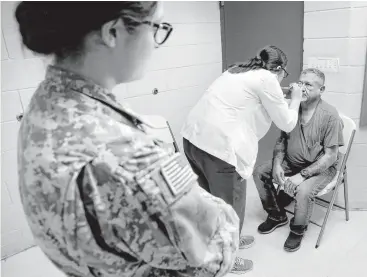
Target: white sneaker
<point x="246" y="242"/>
<point x="241" y="266"/>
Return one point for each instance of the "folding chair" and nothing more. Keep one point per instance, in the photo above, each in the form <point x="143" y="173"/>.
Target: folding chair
<point x="163" y="131"/>
<point x="339" y="179"/>
<point x="342" y="177"/>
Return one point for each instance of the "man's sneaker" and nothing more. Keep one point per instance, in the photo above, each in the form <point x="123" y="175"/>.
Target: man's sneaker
<point x="270" y="225"/>
<point x="246" y="242"/>
<point x="293" y="242"/>
<point x="241" y="266"/>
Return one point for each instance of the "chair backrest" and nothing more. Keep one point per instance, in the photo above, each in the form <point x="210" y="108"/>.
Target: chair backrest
<point x="163" y="131"/>
<point x="348" y="132"/>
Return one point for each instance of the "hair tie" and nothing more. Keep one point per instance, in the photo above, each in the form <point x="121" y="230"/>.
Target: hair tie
<point x="261" y="61"/>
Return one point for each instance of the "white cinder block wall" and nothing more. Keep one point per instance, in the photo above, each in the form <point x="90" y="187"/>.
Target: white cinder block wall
<point x="183" y="67"/>
<point x="181" y="70"/>
<point x="20" y="74"/>
<point x="339" y="29"/>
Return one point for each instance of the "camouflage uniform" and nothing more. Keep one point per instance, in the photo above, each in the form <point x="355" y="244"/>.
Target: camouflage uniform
<point x="102" y="198"/>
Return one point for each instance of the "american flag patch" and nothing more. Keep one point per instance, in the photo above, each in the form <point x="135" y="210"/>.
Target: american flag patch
<point x="178" y="174"/>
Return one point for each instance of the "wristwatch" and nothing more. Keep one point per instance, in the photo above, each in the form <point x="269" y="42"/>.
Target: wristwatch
<point x="305" y="174"/>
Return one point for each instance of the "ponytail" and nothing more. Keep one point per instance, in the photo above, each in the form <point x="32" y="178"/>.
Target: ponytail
<point x="269" y="58"/>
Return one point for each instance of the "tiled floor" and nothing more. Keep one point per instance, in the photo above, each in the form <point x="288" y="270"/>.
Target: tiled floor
<point x="342" y="253"/>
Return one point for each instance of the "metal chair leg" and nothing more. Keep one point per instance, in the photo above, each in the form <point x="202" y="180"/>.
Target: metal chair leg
<point x="327" y="215"/>
<point x="346" y="198"/>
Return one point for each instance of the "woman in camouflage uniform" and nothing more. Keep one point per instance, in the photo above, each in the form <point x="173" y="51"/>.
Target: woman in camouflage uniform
<point x="102" y="198"/>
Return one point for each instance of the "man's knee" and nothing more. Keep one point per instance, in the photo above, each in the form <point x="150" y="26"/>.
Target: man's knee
<point x="305" y="192"/>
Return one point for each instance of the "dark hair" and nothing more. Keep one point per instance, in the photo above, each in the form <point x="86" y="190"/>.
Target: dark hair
<point x="269" y="57"/>
<point x="59" y="28"/>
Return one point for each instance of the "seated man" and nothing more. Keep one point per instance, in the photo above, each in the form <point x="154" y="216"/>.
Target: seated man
<point x="308" y="155"/>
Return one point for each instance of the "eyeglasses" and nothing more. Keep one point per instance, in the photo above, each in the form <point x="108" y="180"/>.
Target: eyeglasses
<point x="307" y="85"/>
<point x="162" y="31"/>
<point x="286" y="74"/>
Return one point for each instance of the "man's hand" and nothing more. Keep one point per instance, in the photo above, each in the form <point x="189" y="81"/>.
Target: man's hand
<point x="292" y="183"/>
<point x="278" y="175"/>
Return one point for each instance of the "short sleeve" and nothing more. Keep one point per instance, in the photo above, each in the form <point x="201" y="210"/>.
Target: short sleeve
<point x="334" y="132"/>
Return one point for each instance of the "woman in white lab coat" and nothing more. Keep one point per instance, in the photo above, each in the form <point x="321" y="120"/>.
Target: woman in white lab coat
<point x="222" y="131"/>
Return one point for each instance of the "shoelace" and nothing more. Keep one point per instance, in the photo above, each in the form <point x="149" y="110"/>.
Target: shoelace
<point x="243" y="240"/>
<point x="239" y="261"/>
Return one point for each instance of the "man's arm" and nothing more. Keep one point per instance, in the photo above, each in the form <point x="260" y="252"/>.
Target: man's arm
<point x="279" y="149"/>
<point x="328" y="159"/>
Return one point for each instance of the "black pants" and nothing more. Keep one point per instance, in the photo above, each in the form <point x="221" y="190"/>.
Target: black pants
<point x="218" y="178"/>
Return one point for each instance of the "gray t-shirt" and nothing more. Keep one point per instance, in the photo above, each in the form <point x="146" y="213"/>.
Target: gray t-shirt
<point x="306" y="142"/>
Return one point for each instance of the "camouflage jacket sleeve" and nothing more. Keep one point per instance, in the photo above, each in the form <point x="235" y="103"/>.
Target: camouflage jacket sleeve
<point x="150" y="206"/>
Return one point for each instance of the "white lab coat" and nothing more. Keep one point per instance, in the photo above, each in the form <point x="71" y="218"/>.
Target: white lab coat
<point x="235" y="113"/>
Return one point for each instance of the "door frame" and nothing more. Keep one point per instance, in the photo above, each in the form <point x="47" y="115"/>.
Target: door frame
<point x="222" y="35"/>
<point x="223" y="39"/>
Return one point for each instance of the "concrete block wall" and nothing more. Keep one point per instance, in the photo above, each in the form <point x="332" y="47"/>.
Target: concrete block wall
<point x="21" y="72"/>
<point x="339" y="29"/>
<point x="181" y="70"/>
<point x="183" y="67"/>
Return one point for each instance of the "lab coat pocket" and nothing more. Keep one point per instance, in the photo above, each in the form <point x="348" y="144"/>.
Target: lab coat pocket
<point x="227" y="169"/>
<point x="245" y="145"/>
